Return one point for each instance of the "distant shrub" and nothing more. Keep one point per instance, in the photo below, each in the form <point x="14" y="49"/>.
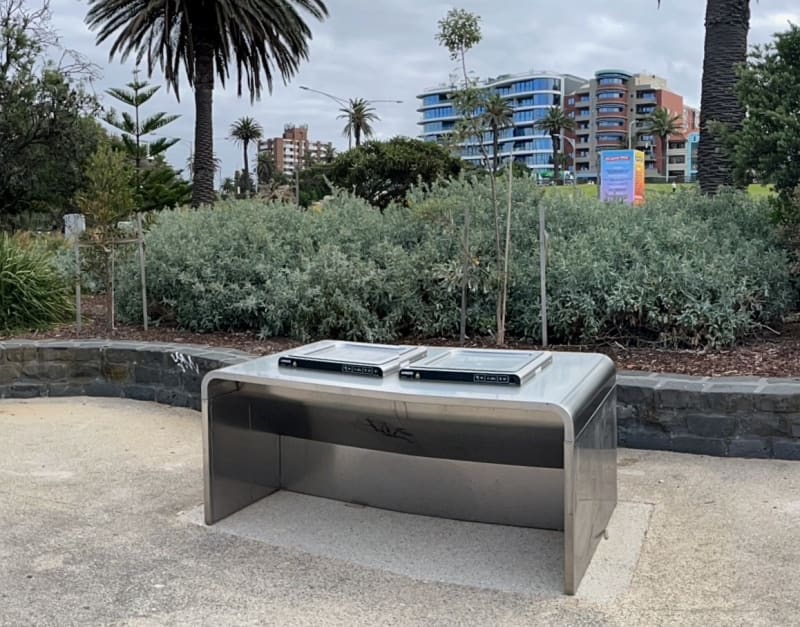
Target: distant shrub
<point x="683" y="270"/>
<point x="33" y="293"/>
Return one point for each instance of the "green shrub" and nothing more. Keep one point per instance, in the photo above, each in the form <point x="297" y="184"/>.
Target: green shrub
<point x="683" y="270"/>
<point x="33" y="294"/>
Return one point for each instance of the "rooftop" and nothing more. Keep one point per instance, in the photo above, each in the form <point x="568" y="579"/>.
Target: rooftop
<point x="100" y="523"/>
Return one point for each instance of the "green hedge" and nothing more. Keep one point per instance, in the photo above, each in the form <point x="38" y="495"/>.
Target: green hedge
<point x="682" y="271"/>
<point x="33" y="293"/>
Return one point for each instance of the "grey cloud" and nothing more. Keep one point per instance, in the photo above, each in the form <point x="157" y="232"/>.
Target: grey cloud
<point x="385" y="49"/>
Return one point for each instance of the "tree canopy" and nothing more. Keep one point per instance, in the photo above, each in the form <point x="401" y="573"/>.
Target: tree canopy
<point x="768" y="145"/>
<point x="202" y="41"/>
<point x="382" y="172"/>
<point x="47" y="130"/>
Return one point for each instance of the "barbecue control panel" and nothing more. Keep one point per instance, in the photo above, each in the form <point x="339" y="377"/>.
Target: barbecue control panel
<point x="330" y="366"/>
<point x="490" y="378"/>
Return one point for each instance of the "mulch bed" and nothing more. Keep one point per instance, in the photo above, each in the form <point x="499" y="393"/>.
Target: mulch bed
<point x="773" y="354"/>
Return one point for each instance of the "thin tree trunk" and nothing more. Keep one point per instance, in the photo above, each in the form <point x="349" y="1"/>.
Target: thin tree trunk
<point x="665" y="140"/>
<point x="465" y="265"/>
<point x="246" y="170"/>
<point x="556" y="149"/>
<point x="495" y="148"/>
<point x="357" y="130"/>
<point x="203" y="183"/>
<point x="501" y="338"/>
<point x="727" y="23"/>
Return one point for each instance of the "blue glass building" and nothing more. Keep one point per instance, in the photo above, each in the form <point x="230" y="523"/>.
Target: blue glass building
<point x="530" y="95"/>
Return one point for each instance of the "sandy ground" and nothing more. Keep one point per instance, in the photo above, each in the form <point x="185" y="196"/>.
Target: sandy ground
<point x="100" y="523"/>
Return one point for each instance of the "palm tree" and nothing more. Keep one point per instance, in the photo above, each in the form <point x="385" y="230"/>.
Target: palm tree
<point x="663" y="125"/>
<point x="725" y="47"/>
<point x="358" y="114"/>
<point x="244" y="131"/>
<point x="555" y="123"/>
<point x="260" y="38"/>
<point x="266" y="169"/>
<point x="498" y="114"/>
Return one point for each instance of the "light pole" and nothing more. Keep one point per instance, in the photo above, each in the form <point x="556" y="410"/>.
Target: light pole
<point x="574" y="159"/>
<point x="632" y="123"/>
<point x="345" y="104"/>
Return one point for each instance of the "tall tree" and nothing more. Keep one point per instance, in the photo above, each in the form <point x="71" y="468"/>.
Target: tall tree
<point x="554" y="124"/>
<point x="47" y="127"/>
<point x="134" y="127"/>
<point x="663" y="124"/>
<point x="725" y="48"/>
<point x="359" y="115"/>
<point x="258" y="37"/>
<point x="244" y="131"/>
<point x="768" y="145"/>
<point x="459" y="32"/>
<point x="156" y="184"/>
<point x="498" y="114"/>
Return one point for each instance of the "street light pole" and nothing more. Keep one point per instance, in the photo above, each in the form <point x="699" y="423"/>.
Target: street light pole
<point x="345" y="104"/>
<point x="632" y="123"/>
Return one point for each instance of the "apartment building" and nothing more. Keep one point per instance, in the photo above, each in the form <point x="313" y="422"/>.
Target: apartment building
<point x="293" y="151"/>
<point x="611" y="112"/>
<point x="530" y="94"/>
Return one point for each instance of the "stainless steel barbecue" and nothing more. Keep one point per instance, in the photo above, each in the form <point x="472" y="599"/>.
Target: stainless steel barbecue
<point x="508" y="437"/>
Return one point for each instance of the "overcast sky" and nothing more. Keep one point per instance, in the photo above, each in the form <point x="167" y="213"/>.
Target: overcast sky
<point x="385" y="49"/>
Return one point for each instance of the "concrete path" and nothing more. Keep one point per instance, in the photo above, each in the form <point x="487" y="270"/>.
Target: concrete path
<point x="100" y="524"/>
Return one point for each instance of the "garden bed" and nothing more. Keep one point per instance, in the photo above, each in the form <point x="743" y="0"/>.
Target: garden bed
<point x="771" y="354"/>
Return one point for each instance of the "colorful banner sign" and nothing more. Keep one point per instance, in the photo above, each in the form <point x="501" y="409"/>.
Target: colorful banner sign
<point x="622" y="176"/>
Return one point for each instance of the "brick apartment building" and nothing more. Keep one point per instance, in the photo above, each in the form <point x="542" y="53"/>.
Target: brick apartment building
<point x="610" y="112"/>
<point x="293" y="150"/>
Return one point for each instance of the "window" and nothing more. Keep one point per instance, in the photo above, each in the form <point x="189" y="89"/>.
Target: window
<point x="646" y="95"/>
<point x="434" y="127"/>
<point x="610" y="123"/>
<point x="438" y="112"/>
<point x="611" y="109"/>
<point x="570" y="102"/>
<point x="434" y="99"/>
<point x="609" y="138"/>
<point x="645" y="109"/>
<point x="537" y="84"/>
<point x="533" y="114"/>
<point x="610" y="95"/>
<point x="610" y="81"/>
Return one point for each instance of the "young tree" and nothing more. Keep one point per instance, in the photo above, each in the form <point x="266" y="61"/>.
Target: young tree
<point x="244" y="131"/>
<point x="106" y="200"/>
<point x="554" y="124"/>
<point x="663" y="125"/>
<point x="459" y="32"/>
<point x="258" y="37"/>
<point x="359" y="115"/>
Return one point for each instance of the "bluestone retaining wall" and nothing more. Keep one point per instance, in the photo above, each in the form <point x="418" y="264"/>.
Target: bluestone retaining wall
<point x="723" y="416"/>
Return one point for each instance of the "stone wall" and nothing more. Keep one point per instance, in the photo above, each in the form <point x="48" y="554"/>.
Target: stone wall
<point x="723" y="416"/>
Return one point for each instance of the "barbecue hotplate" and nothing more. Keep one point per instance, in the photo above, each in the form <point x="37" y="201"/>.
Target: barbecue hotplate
<point x="493" y="367"/>
<point x="366" y="360"/>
